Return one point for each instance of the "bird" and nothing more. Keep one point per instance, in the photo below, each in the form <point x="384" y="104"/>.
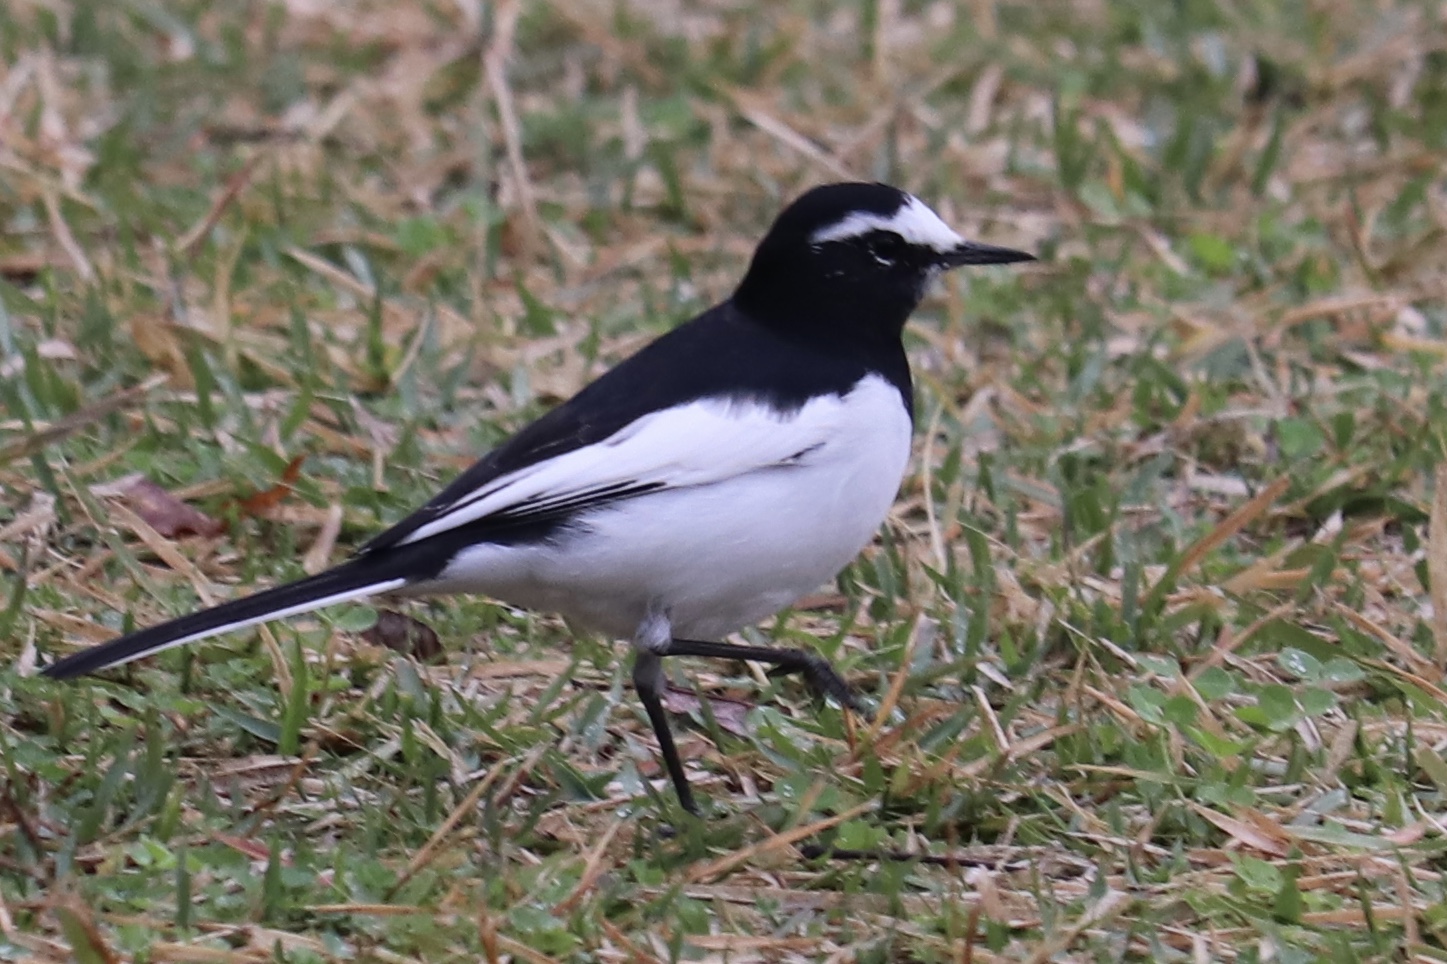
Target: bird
<point x="727" y="468"/>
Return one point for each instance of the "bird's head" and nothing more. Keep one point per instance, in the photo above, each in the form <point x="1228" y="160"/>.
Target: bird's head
<point x="855" y="255"/>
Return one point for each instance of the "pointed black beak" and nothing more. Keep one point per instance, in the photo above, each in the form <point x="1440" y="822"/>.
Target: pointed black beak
<point x="972" y="252"/>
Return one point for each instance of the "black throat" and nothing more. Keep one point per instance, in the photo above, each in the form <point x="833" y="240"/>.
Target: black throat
<point x="861" y="323"/>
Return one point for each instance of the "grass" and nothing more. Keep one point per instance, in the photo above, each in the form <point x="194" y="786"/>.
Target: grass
<point x="1151" y="629"/>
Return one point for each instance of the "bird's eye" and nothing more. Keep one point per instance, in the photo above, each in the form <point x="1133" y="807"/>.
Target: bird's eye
<point x="886" y="247"/>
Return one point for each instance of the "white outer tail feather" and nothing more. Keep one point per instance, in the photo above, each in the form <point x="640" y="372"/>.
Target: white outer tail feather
<point x="371" y="589"/>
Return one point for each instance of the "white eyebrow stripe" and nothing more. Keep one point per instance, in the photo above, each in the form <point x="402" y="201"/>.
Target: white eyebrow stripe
<point x="914" y="222"/>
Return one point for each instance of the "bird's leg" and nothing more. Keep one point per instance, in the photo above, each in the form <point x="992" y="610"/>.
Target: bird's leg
<point x="822" y="678"/>
<point x="651" y="644"/>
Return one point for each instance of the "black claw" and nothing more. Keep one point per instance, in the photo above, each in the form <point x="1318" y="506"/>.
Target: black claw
<point x="822" y="678"/>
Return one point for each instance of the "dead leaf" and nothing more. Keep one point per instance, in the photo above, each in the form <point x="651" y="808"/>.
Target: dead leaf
<point x="403" y="634"/>
<point x="22" y="268"/>
<point x="160" y="341"/>
<point x="247" y="847"/>
<point x="165" y="513"/>
<point x="260" y="503"/>
<point x="262" y="772"/>
<point x="822" y="602"/>
<point x="87" y="943"/>
<point x="1251" y="833"/>
<point x="729" y="713"/>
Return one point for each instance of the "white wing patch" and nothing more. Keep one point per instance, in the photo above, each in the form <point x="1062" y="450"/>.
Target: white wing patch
<point x="914" y="222"/>
<point x="698" y="443"/>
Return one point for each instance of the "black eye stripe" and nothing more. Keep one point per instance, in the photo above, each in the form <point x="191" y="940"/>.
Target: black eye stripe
<point x="885" y="245"/>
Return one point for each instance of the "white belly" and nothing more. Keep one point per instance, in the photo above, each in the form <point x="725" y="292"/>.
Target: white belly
<point x="719" y="556"/>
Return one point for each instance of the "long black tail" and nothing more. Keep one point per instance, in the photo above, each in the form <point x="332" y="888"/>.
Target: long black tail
<point x="365" y="576"/>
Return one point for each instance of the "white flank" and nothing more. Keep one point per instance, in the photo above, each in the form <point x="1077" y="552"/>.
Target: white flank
<point x="373" y="589"/>
<point x="914" y="222"/>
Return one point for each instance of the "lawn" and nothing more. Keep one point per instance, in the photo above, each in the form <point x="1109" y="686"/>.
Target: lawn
<point x="1154" y="638"/>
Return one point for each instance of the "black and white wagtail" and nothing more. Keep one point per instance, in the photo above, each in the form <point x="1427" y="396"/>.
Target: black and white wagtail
<point x="728" y="468"/>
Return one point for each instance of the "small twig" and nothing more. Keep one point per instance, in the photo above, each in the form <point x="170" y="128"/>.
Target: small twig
<point x="1105" y="909"/>
<point x="787" y="136"/>
<point x="896" y="686"/>
<point x="293" y="778"/>
<point x="165" y="549"/>
<point x="317" y="556"/>
<point x="187" y="243"/>
<point x="592" y="870"/>
<point x="723" y="865"/>
<point x="494" y="65"/>
<point x="22" y="820"/>
<point x="66" y="239"/>
<point x="424" y="856"/>
<point x="1437" y="563"/>
<point x="79" y="419"/>
<point x="1242" y="516"/>
<point x="817" y="851"/>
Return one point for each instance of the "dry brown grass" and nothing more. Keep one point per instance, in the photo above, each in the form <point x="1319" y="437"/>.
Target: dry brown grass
<point x="1153" y="629"/>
